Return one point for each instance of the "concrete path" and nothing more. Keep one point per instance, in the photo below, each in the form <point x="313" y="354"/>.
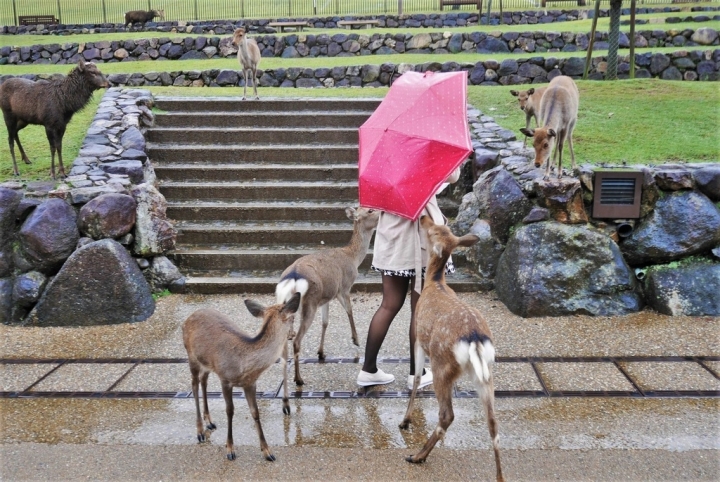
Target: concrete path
<point x="579" y="398"/>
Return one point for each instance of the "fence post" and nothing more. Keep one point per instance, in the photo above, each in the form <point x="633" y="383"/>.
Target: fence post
<point x="15" y="13"/>
<point x="196" y="16"/>
<point x="315" y="8"/>
<point x="149" y="7"/>
<point x="400" y="7"/>
<point x="242" y="8"/>
<point x="104" y="12"/>
<point x="289" y="8"/>
<point x="59" y="12"/>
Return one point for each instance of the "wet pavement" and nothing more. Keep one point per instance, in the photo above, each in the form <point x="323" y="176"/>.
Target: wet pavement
<point x="578" y="398"/>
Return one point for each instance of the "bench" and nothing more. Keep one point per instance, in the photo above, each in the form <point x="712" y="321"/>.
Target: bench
<point x="444" y="3"/>
<point x="361" y="23"/>
<point x="581" y="3"/>
<point x="283" y="25"/>
<point x="37" y="19"/>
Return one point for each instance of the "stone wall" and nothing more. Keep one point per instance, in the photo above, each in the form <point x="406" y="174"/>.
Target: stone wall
<point x="346" y="45"/>
<point x="89" y="250"/>
<point x="438" y="20"/>
<point x="545" y="254"/>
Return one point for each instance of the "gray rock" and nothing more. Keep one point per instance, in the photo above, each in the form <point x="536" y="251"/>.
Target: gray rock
<point x="99" y="284"/>
<point x="9" y="202"/>
<point x="484" y="160"/>
<point x="502" y="202"/>
<point x="682" y="224"/>
<point x="574" y="66"/>
<point x="132" y="138"/>
<point x="468" y="213"/>
<point x="536" y="215"/>
<point x="161" y="274"/>
<point x="107" y="216"/>
<point x="707" y="181"/>
<point x="154" y="234"/>
<point x="553" y="269"/>
<point x="83" y="195"/>
<point x="705" y="36"/>
<point x="49" y="235"/>
<point x="28" y="287"/>
<point x="688" y="290"/>
<point x="6" y="261"/>
<point x="227" y="77"/>
<point x="485" y="255"/>
<point x="6" y="303"/>
<point x="674" y="179"/>
<point x="508" y="67"/>
<point x="563" y="198"/>
<point x="492" y="45"/>
<point x="131" y="168"/>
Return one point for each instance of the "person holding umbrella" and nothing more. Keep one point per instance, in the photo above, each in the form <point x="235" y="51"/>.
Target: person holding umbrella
<point x="413" y="143"/>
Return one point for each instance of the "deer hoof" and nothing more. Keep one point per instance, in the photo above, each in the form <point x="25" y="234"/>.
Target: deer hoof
<point x="27" y="161"/>
<point x="321" y="355"/>
<point x="286" y="409"/>
<point x="211" y="426"/>
<point x="270" y="458"/>
<point x="405" y="424"/>
<point x="299" y="381"/>
<point x="201" y="437"/>
<point x="412" y="460"/>
<point x="231" y="456"/>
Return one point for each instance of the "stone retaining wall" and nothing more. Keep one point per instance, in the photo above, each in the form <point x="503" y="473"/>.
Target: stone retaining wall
<point x="345" y="45"/>
<point x="453" y="19"/>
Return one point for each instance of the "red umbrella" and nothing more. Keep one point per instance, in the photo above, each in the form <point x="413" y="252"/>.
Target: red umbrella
<point x="413" y="142"/>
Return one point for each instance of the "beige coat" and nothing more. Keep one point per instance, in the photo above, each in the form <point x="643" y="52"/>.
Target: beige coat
<point x="398" y="241"/>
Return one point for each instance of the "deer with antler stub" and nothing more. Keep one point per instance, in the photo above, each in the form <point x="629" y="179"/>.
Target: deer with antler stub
<point x="455" y="336"/>
<point x="215" y="344"/>
<point x="249" y="57"/>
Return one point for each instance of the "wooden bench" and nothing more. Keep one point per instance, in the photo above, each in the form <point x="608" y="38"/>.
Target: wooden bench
<point x="361" y="23"/>
<point x="37" y="19"/>
<point x="581" y="3"/>
<point x="448" y="3"/>
<point x="283" y="25"/>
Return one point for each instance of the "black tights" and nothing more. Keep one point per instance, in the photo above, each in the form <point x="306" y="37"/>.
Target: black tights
<point x="394" y="292"/>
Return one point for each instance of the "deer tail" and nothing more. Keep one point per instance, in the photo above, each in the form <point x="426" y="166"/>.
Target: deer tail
<point x="292" y="283"/>
<point x="479" y="352"/>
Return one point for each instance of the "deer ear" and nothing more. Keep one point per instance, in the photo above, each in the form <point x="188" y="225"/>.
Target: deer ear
<point x="514" y="93"/>
<point x="468" y="240"/>
<point x="531" y="91"/>
<point x="528" y="132"/>
<point x="350" y="213"/>
<point x="255" y="308"/>
<point x="292" y="305"/>
<point x="81" y="64"/>
<point x="552" y="133"/>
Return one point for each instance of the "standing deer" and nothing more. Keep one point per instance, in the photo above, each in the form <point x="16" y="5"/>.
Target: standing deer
<point x="215" y="344"/>
<point x="249" y="57"/>
<point x="328" y="274"/>
<point x="142" y="16"/>
<point x="530" y="104"/>
<point x="51" y="104"/>
<point x="455" y="336"/>
<point x="558" y="112"/>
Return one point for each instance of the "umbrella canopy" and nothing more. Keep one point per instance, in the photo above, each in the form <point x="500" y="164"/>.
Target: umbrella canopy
<point x="413" y="142"/>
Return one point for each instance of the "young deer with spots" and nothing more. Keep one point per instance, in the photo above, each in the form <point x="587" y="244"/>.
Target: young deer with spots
<point x="558" y="113"/>
<point x="455" y="336"/>
<point x="215" y="344"/>
<point x="249" y="57"/>
<point x="326" y="275"/>
<point x="530" y="104"/>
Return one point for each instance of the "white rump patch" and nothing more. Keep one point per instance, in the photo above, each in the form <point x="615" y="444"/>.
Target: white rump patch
<point x="480" y="356"/>
<point x="288" y="287"/>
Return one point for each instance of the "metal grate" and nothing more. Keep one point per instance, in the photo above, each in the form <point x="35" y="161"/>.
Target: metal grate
<point x="617" y="191"/>
<point x="617" y="194"/>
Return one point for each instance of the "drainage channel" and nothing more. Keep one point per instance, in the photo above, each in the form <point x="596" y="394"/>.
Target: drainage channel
<point x="376" y="392"/>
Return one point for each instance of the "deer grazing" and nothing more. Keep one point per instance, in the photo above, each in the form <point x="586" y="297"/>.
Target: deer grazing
<point x="455" y="336"/>
<point x="530" y="104"/>
<point x="142" y="16"/>
<point x="51" y="104"/>
<point x="558" y="113"/>
<point x="215" y="344"/>
<point x="249" y="57"/>
<point x="327" y="274"/>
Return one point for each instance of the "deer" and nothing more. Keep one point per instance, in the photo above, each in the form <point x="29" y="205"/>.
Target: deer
<point x="249" y="57"/>
<point x="142" y="16"/>
<point x="48" y="103"/>
<point x="215" y="344"/>
<point x="455" y="336"/>
<point x="326" y="275"/>
<point x="558" y="113"/>
<point x="530" y="104"/>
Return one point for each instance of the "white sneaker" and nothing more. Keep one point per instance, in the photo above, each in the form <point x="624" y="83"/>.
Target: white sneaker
<point x="425" y="380"/>
<point x="365" y="379"/>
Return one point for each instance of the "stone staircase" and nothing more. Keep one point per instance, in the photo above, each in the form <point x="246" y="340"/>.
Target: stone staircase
<point x="251" y="186"/>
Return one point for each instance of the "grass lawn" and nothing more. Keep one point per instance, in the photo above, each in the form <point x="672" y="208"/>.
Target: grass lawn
<point x="633" y="121"/>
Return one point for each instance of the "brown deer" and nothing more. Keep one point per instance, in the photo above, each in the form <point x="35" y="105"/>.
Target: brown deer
<point x="51" y="104"/>
<point x="326" y="275"/>
<point x="455" y="336"/>
<point x="142" y="16"/>
<point x="530" y="104"/>
<point x="249" y="57"/>
<point x="558" y="113"/>
<point x="215" y="344"/>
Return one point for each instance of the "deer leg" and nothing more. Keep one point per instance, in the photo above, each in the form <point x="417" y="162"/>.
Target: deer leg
<point x="252" y="403"/>
<point x="245" y="86"/>
<point x="11" y="141"/>
<point x="254" y="71"/>
<point x="324" y="316"/>
<point x="571" y="128"/>
<point x="308" y="316"/>
<point x="419" y="365"/>
<point x="527" y="126"/>
<point x="194" y="371"/>
<point x="344" y="299"/>
<point x="487" y="396"/>
<point x="230" y="411"/>
<point x="206" y="410"/>
<point x="561" y="141"/>
<point x="286" y="398"/>
<point x="58" y="146"/>
<point x="443" y="392"/>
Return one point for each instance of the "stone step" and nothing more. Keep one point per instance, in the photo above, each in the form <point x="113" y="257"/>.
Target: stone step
<point x="261" y="190"/>
<point x="252" y="135"/>
<point x="268" y="233"/>
<point x="242" y="153"/>
<point x="239" y="282"/>
<point x="267" y="104"/>
<point x="177" y="172"/>
<point x="262" y="119"/>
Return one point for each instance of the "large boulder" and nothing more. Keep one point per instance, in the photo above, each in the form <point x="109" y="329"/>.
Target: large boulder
<point x="9" y="201"/>
<point x="707" y="180"/>
<point x="554" y="269"/>
<point x="691" y="289"/>
<point x="682" y="224"/>
<point x="161" y="274"/>
<point x="49" y="235"/>
<point x="100" y="284"/>
<point x="108" y="216"/>
<point x="6" y="289"/>
<point x="501" y="201"/>
<point x="485" y="254"/>
<point x="563" y="198"/>
<point x="153" y="232"/>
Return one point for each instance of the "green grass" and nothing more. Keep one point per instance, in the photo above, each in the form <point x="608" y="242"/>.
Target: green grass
<point x="633" y="121"/>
